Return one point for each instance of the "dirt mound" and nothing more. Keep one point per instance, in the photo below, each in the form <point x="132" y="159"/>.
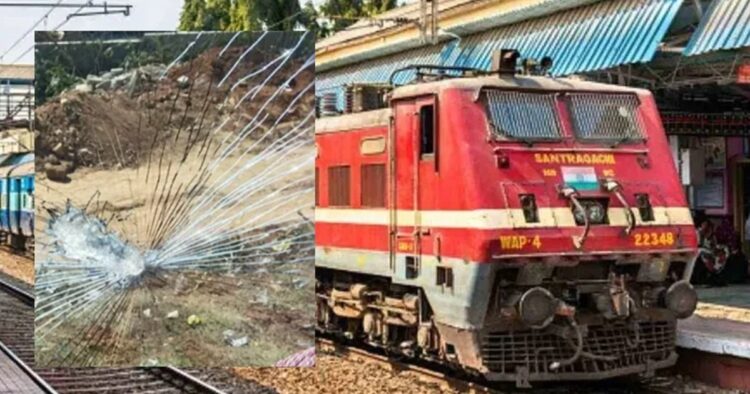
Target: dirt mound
<point x="82" y="128"/>
<point x="117" y="119"/>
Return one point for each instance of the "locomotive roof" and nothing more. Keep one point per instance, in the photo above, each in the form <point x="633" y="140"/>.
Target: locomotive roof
<point x="509" y="82"/>
<point x="374" y="118"/>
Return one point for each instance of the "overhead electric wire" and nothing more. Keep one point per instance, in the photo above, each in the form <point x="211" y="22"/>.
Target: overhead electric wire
<point x="57" y="27"/>
<point x="31" y="29"/>
<point x="61" y="24"/>
<point x="88" y="4"/>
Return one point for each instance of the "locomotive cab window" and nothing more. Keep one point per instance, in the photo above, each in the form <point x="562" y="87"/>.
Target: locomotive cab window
<point x="427" y="130"/>
<point x="607" y="118"/>
<point x="522" y="116"/>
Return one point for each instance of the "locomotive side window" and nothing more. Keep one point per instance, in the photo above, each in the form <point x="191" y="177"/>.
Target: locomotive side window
<point x="338" y="186"/>
<point x="521" y="115"/>
<point x="427" y="130"/>
<point x="373" y="185"/>
<point x="606" y="117"/>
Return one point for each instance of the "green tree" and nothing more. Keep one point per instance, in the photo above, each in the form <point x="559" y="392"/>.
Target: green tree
<point x="280" y="14"/>
<point x="192" y="14"/>
<point x="344" y="13"/>
<point x="375" y="7"/>
<point x="206" y="15"/>
<point x="311" y="20"/>
<point x="236" y="15"/>
<point x="243" y="16"/>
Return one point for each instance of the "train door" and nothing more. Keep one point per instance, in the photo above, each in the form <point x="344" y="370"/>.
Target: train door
<point x="410" y="150"/>
<point x="404" y="239"/>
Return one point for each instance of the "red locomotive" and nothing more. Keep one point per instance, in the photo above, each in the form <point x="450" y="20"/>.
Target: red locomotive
<point x="523" y="228"/>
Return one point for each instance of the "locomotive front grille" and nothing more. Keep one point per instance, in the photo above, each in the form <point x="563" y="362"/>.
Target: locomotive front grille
<point x="534" y="351"/>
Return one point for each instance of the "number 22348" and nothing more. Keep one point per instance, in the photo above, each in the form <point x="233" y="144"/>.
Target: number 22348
<point x="654" y="239"/>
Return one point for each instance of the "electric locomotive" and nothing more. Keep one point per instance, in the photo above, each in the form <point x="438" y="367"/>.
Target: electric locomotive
<point x="522" y="228"/>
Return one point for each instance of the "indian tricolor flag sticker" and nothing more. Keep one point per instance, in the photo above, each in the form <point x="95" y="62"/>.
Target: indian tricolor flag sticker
<point x="581" y="178"/>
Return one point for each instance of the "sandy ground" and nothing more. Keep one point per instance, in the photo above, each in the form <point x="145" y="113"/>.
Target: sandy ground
<point x="126" y="200"/>
<point x="333" y="375"/>
<point x="272" y="307"/>
<point x="17" y="266"/>
<point x="267" y="307"/>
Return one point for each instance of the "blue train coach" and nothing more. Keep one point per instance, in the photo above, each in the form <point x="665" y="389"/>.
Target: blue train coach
<point x="17" y="201"/>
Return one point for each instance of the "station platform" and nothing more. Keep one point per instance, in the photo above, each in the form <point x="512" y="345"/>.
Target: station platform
<point x="13" y="379"/>
<point x="714" y="343"/>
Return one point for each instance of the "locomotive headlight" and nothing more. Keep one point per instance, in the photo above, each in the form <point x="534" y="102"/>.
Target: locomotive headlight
<point x="580" y="215"/>
<point x="681" y="299"/>
<point x="537" y="307"/>
<point x="596" y="212"/>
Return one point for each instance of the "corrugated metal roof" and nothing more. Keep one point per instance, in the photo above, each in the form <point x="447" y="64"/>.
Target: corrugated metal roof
<point x="590" y="38"/>
<point x="514" y="11"/>
<point x="725" y="25"/>
<point x="594" y="37"/>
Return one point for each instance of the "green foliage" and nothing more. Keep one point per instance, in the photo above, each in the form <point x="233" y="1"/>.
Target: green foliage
<point x="53" y="80"/>
<point x="310" y="19"/>
<point x="279" y="14"/>
<point x="243" y="16"/>
<point x="206" y="15"/>
<point x="192" y="14"/>
<point x="375" y="7"/>
<point x="344" y="13"/>
<point x="59" y="67"/>
<point x="238" y="15"/>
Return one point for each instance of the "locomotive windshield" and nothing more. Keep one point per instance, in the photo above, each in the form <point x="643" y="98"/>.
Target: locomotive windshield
<point x="606" y="117"/>
<point x="521" y="115"/>
<point x="596" y="117"/>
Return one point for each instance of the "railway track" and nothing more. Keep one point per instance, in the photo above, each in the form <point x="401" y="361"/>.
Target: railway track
<point x="456" y="383"/>
<point x="18" y="375"/>
<point x="165" y="380"/>
<point x="17" y="323"/>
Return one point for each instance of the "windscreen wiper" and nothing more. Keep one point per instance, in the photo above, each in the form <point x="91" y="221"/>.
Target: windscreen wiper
<point x="496" y="129"/>
<point x="620" y="142"/>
